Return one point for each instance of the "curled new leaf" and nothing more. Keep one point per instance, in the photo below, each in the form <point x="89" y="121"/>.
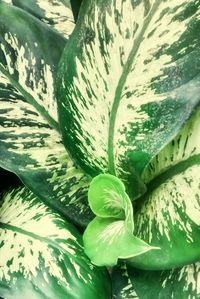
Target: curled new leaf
<point x="110" y="235"/>
<point x="107" y="197"/>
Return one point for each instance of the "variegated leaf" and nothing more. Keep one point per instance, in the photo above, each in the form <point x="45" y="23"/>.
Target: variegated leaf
<point x="56" y="13"/>
<point x="122" y="284"/>
<point x="181" y="283"/>
<point x="41" y="255"/>
<point x="184" y="147"/>
<point x="169" y="214"/>
<point x="30" y="143"/>
<point x="128" y="80"/>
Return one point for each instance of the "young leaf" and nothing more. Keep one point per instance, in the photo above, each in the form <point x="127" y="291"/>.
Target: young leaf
<point x="113" y="228"/>
<point x="169" y="215"/>
<point x="57" y="14"/>
<point x="107" y="240"/>
<point x="30" y="142"/>
<point x="41" y="255"/>
<point x="107" y="197"/>
<point x="130" y="283"/>
<point x="128" y="76"/>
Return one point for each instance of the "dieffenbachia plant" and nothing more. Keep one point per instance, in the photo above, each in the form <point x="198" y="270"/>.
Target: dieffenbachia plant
<point x="168" y="211"/>
<point x="128" y="95"/>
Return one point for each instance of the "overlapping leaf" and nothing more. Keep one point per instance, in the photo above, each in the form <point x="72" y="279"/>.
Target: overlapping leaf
<point x="128" y="80"/>
<point x="30" y="143"/>
<point x="41" y="255"/>
<point x="57" y="14"/>
<point x="129" y="283"/>
<point x="169" y="215"/>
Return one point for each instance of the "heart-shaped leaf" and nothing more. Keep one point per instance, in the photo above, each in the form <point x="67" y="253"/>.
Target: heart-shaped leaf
<point x="128" y="80"/>
<point x="110" y="235"/>
<point x="30" y="142"/>
<point x="169" y="214"/>
<point x="106" y="241"/>
<point x="57" y="14"/>
<point x="41" y="255"/>
<point x="130" y="283"/>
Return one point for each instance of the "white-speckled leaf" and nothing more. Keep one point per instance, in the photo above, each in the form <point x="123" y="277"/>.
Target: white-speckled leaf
<point x="30" y="143"/>
<point x="41" y="255"/>
<point x="128" y="80"/>
<point x="181" y="283"/>
<point x="186" y="145"/>
<point x="56" y="13"/>
<point x="169" y="214"/>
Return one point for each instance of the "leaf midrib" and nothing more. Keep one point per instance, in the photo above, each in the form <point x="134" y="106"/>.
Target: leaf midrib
<point x="34" y="236"/>
<point x="31" y="100"/>
<point x="121" y="83"/>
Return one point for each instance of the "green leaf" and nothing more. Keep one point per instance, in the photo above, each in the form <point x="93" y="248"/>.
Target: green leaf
<point x="179" y="151"/>
<point x="122" y="285"/>
<point x="107" y="197"/>
<point x="128" y="80"/>
<point x="42" y="254"/>
<point x="113" y="228"/>
<point x="130" y="283"/>
<point x="57" y="14"/>
<point x="106" y="241"/>
<point x="169" y="214"/>
<point x="30" y="142"/>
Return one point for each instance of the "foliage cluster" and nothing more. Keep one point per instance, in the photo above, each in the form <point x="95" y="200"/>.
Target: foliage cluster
<point x="100" y="149"/>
